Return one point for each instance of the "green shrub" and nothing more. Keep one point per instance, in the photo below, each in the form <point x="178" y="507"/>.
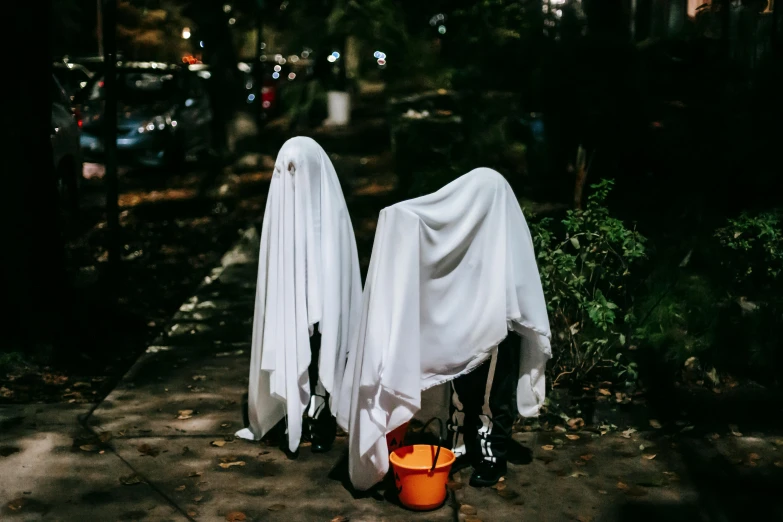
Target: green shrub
<point x="680" y="312"/>
<point x="753" y="254"/>
<point x="751" y="270"/>
<point x="725" y="308"/>
<point x="586" y="270"/>
<point x="10" y="361"/>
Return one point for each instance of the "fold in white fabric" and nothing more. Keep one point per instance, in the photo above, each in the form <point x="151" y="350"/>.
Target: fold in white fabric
<point x="450" y="274"/>
<point x="308" y="273"/>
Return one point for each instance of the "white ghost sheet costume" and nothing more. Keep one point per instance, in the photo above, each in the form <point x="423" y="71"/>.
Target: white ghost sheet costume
<point x="451" y="273"/>
<point x="308" y="273"/>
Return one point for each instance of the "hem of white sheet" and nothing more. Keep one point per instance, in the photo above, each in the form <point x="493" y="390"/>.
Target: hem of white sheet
<point x="487" y="355"/>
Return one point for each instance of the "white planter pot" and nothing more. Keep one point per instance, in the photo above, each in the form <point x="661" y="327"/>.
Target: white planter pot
<point x="338" y="104"/>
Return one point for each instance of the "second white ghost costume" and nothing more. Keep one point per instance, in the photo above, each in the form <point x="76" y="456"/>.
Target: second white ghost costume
<point x="308" y="273"/>
<point x="451" y="273"/>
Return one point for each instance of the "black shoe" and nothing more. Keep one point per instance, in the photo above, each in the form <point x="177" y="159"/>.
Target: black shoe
<point x="487" y="474"/>
<point x="323" y="431"/>
<point x="280" y="435"/>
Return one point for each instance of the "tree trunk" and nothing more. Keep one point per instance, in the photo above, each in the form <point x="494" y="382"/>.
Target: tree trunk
<point x="220" y="54"/>
<point x="109" y="24"/>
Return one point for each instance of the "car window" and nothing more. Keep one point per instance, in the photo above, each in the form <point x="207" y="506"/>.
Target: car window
<point x="58" y="94"/>
<point x="135" y="86"/>
<point x="72" y="80"/>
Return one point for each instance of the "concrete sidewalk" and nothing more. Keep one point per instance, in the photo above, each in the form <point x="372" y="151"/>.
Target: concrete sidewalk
<point x="160" y="447"/>
<point x="51" y="468"/>
<point x="173" y="416"/>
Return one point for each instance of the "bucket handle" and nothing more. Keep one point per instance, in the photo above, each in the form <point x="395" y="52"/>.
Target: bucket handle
<point x="440" y="439"/>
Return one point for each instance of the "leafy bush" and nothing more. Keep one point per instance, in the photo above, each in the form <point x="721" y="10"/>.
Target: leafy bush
<point x="680" y="310"/>
<point x="585" y="271"/>
<point x="9" y="361"/>
<point x="306" y="103"/>
<point x="726" y="307"/>
<point x="751" y="262"/>
<point x="753" y="253"/>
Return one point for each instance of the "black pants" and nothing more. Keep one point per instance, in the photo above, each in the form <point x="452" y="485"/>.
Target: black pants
<point x="487" y="436"/>
<point x="312" y="370"/>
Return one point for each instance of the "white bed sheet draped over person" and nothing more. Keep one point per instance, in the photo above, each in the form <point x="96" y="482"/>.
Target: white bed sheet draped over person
<point x="451" y="273"/>
<point x="308" y="273"/>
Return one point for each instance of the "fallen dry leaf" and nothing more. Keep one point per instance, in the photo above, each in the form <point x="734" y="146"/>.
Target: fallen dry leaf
<point x="778" y="442"/>
<point x="184" y="414"/>
<point x="218" y="443"/>
<point x="627" y="433"/>
<point x="778" y="463"/>
<point x="714" y="436"/>
<point x="340" y="518"/>
<point x="50" y="378"/>
<point x="192" y="513"/>
<point x="604" y="391"/>
<point x="576" y="423"/>
<point x="180" y="488"/>
<point x="499" y="486"/>
<point x="636" y="491"/>
<point x="235" y="516"/>
<point x="577" y="474"/>
<point x="622" y="485"/>
<point x="649" y="456"/>
<point x="17" y="504"/>
<point x="655" y="424"/>
<point x="548" y="447"/>
<point x="754" y="456"/>
<point x="734" y="430"/>
<point x="198" y="498"/>
<point x="467" y="509"/>
<point x="130" y="480"/>
<point x="88" y="447"/>
<point x="560" y="429"/>
<point x="199" y="377"/>
<point x="571" y="436"/>
<point x="194" y="474"/>
<point x="586" y="457"/>
<point x="603" y="492"/>
<point x="226" y="465"/>
<point x="582" y="518"/>
<point x="149" y="451"/>
<point x="276" y="507"/>
<point x="508" y="494"/>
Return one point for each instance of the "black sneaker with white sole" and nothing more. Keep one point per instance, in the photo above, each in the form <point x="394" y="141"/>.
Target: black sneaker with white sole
<point x="487" y="473"/>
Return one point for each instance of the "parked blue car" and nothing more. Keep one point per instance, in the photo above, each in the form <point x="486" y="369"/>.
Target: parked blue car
<point x="163" y="115"/>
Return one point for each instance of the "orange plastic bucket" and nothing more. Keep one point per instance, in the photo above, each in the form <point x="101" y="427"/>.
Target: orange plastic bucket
<point x="420" y="485"/>
<point x="395" y="438"/>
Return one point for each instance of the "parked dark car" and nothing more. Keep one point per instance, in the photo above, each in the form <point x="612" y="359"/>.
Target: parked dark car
<point x="66" y="153"/>
<point x="163" y="115"/>
<point x="72" y="76"/>
<point x="93" y="63"/>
